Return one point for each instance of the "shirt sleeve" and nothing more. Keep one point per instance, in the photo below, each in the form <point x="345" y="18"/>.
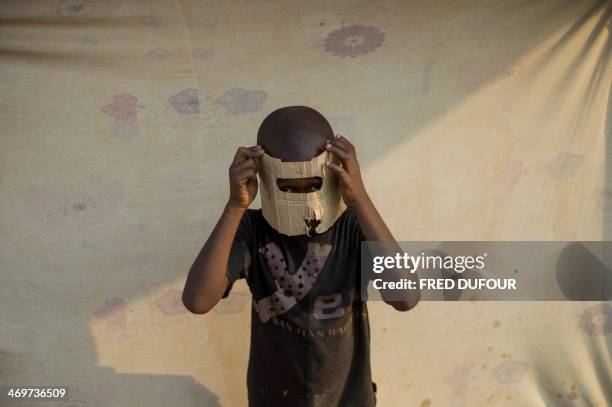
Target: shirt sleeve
<point x="239" y="261"/>
<point x="365" y="257"/>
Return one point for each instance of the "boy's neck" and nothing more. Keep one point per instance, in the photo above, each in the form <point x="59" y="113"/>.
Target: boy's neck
<point x="301" y="240"/>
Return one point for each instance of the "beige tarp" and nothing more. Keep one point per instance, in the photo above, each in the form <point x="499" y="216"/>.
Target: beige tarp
<point x="473" y="120"/>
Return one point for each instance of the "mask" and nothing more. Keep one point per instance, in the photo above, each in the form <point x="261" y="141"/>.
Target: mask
<point x="289" y="212"/>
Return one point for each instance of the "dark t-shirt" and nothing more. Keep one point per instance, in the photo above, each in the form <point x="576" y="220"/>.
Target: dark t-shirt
<point x="310" y="332"/>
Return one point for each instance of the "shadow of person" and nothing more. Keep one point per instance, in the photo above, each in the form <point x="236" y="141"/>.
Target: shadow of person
<point x="93" y="385"/>
<point x="129" y="389"/>
<point x="581" y="274"/>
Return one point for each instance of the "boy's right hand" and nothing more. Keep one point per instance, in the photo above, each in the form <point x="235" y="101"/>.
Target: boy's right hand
<point x="243" y="176"/>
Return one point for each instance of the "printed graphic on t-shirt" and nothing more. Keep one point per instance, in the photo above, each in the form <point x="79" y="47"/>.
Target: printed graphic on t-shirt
<point x="293" y="288"/>
<point x="326" y="307"/>
<point x="290" y="288"/>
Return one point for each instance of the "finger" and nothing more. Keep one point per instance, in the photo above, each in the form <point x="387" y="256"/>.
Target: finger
<point x="244" y="153"/>
<point x="339" y="171"/>
<point x="347" y="147"/>
<point x="340" y="145"/>
<point x="347" y="158"/>
<point x="344" y="140"/>
<point x="344" y="143"/>
<point x="337" y="151"/>
<point x="257" y="151"/>
<point x="350" y="163"/>
<point x="248" y="163"/>
<point x="245" y="175"/>
<point x="241" y="154"/>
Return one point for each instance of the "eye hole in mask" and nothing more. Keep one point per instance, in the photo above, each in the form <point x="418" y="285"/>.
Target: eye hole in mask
<point x="299" y="185"/>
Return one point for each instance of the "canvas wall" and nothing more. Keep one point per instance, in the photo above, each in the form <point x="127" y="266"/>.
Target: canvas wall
<point x="473" y="120"/>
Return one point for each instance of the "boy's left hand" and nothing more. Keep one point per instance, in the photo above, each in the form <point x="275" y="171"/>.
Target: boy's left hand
<point x="351" y="184"/>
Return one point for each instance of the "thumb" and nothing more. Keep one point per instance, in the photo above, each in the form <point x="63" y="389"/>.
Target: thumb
<point x="339" y="171"/>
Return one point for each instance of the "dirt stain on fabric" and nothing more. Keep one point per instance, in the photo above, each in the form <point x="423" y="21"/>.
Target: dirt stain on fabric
<point x="170" y="303"/>
<point x="113" y="312"/>
<point x="233" y="304"/>
<point x="511" y="173"/>
<point x="459" y="378"/>
<point x="510" y="371"/>
<point x="355" y="40"/>
<point x="565" y="164"/>
<point x="238" y="100"/>
<point x="596" y="320"/>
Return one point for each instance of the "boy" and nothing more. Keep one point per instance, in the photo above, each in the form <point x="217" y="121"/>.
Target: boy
<point x="300" y="256"/>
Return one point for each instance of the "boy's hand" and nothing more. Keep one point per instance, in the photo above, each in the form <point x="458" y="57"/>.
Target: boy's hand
<point x="242" y="176"/>
<point x="351" y="185"/>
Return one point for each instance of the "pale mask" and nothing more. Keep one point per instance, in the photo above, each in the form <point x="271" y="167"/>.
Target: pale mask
<point x="290" y="213"/>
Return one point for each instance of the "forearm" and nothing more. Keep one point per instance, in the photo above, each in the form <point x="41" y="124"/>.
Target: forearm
<point x="206" y="281"/>
<point x="371" y="223"/>
<point x="374" y="228"/>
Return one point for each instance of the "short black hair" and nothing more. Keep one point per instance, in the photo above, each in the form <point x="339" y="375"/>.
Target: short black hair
<point x="294" y="133"/>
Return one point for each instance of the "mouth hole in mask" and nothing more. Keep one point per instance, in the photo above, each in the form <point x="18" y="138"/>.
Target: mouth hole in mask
<point x="299" y="185"/>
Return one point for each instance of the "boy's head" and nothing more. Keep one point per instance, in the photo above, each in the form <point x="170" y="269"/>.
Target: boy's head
<point x="295" y="133"/>
<point x="300" y="198"/>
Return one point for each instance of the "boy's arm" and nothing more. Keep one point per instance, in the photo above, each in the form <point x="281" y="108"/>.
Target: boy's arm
<point x="372" y="225"/>
<point x="207" y="281"/>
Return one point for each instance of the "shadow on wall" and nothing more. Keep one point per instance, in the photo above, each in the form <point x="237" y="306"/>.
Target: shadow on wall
<point x="604" y="66"/>
<point x="595" y="279"/>
<point x="607" y="204"/>
<point x="102" y="386"/>
<point x="596" y="318"/>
